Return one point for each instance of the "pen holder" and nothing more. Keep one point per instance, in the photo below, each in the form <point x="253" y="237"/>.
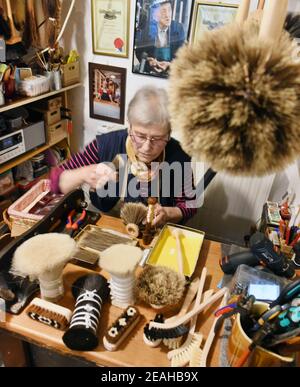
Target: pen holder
<point x="239" y="342"/>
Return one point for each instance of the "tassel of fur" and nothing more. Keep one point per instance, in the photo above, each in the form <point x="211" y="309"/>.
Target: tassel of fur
<point x="49" y="7"/>
<point x="19" y="13"/>
<point x="31" y="36"/>
<point x="237" y="101"/>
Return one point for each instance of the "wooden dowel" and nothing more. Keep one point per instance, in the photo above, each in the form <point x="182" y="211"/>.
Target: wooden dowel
<point x="273" y="20"/>
<point x="243" y="12"/>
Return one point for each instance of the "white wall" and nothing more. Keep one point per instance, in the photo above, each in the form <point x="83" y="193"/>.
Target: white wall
<point x="231" y="204"/>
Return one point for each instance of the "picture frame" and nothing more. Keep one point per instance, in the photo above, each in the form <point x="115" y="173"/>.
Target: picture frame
<point x="107" y="92"/>
<point x="110" y="27"/>
<point x="208" y="16"/>
<point x="153" y="52"/>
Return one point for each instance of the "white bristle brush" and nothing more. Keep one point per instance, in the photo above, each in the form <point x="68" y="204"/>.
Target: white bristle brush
<point x="198" y="355"/>
<point x="182" y="357"/>
<point x="48" y="313"/>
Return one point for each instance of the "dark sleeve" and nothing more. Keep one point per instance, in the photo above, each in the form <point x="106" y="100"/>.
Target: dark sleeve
<point x="90" y="155"/>
<point x="186" y="202"/>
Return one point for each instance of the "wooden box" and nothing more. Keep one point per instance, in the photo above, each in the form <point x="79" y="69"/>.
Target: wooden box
<point x="57" y="132"/>
<point x="70" y="74"/>
<point x="51" y="104"/>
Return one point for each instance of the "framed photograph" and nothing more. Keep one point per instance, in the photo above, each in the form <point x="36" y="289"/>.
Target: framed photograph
<point x="161" y="27"/>
<point x="110" y="27"/>
<point x="107" y="92"/>
<point x="208" y="16"/>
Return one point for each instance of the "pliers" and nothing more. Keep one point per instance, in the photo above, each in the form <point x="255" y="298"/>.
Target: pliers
<point x="73" y="221"/>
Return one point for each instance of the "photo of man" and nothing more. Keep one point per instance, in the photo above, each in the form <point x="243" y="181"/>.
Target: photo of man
<point x="162" y="27"/>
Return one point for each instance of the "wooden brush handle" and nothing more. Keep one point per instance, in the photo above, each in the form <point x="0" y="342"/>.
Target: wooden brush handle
<point x="210" y="338"/>
<point x="179" y="255"/>
<point x="243" y="12"/>
<point x="198" y="299"/>
<point x="184" y="319"/>
<point x="273" y="20"/>
<point x="190" y="295"/>
<point x="261" y="4"/>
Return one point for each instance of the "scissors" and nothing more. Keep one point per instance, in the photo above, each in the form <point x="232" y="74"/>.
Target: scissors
<point x="74" y="221"/>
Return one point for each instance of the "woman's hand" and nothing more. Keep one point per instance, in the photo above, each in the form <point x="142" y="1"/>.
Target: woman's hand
<point x="163" y="215"/>
<point x="95" y="175"/>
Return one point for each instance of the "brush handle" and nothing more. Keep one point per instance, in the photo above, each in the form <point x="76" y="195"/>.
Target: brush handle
<point x="184" y="319"/>
<point x="210" y="338"/>
<point x="243" y="12"/>
<point x="198" y="298"/>
<point x="179" y="256"/>
<point x="15" y="38"/>
<point x="273" y="20"/>
<point x="261" y="4"/>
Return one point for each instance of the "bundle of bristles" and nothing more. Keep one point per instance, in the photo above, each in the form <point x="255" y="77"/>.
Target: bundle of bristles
<point x="38" y="23"/>
<point x="236" y="99"/>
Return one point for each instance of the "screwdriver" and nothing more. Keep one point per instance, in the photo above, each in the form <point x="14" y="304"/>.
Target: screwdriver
<point x="289" y="292"/>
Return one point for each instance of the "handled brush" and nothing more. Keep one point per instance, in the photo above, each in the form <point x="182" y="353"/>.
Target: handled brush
<point x="176" y="342"/>
<point x="190" y="295"/>
<point x="199" y="356"/>
<point x="192" y="291"/>
<point x="155" y="330"/>
<point x="176" y="234"/>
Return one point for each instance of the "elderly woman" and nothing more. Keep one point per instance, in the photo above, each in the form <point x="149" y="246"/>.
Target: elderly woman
<point x="149" y="153"/>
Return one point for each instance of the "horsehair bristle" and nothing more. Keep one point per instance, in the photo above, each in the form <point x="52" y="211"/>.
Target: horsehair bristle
<point x="236" y="100"/>
<point x="159" y="285"/>
<point x="133" y="213"/>
<point x="158" y="333"/>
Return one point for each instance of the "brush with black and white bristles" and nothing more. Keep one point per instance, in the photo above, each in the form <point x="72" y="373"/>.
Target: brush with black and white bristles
<point x="177" y="328"/>
<point x="49" y="313"/>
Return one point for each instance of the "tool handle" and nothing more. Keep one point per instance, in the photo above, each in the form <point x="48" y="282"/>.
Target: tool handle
<point x="273" y="20"/>
<point x="242" y="12"/>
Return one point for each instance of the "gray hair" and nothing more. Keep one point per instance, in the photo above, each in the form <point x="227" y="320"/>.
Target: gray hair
<point x="149" y="107"/>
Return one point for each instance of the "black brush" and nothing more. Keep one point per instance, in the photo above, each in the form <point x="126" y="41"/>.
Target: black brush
<point x="90" y="292"/>
<point x="156" y="333"/>
<point x="292" y="24"/>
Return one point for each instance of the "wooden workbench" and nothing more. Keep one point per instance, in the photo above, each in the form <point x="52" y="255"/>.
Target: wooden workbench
<point x="133" y="352"/>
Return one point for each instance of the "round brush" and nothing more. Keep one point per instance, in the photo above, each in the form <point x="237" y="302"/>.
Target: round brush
<point x="160" y="286"/>
<point x="235" y="96"/>
<point x="133" y="215"/>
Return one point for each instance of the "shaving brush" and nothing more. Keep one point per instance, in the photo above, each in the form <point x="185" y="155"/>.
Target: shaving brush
<point x="121" y="261"/>
<point x="235" y="98"/>
<point x="133" y="215"/>
<point x="43" y="257"/>
<point x="160" y="286"/>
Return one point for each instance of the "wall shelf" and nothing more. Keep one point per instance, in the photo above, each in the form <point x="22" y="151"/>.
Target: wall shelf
<point x="27" y="156"/>
<point x="27" y="100"/>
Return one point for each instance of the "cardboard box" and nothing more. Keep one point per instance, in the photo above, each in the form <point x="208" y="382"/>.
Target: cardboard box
<point x="70" y="74"/>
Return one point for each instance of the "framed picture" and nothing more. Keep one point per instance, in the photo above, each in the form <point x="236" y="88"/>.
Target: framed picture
<point x="208" y="16"/>
<point x="107" y="92"/>
<point x="110" y="27"/>
<point x="161" y="27"/>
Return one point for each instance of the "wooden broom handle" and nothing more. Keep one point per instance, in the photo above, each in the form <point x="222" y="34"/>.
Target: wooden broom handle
<point x="242" y="12"/>
<point x="273" y="20"/>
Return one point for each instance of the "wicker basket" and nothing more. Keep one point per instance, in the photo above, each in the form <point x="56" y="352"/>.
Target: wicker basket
<point x="17" y="218"/>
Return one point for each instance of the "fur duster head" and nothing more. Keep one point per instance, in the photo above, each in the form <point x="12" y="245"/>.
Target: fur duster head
<point x="42" y="253"/>
<point x="160" y="286"/>
<point x="236" y="100"/>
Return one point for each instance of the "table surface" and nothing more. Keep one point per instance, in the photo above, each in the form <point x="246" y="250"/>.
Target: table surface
<point x="132" y="352"/>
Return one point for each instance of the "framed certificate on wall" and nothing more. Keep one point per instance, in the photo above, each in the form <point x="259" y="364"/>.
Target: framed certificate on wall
<point x="110" y="27"/>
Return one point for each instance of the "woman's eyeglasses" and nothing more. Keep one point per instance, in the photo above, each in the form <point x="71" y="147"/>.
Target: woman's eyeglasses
<point x="140" y="139"/>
